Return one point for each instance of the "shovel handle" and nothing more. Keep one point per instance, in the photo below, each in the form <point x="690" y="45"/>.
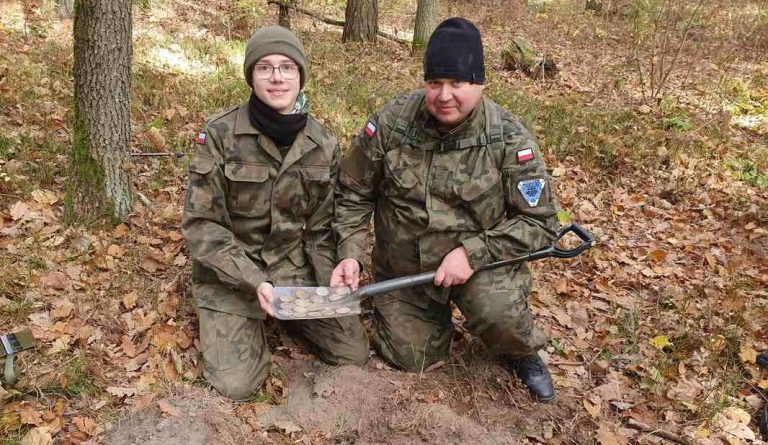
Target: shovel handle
<point x="587" y="241"/>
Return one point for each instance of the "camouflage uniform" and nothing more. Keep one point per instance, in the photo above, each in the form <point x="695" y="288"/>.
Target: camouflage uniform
<point x="251" y="216"/>
<point x="430" y="193"/>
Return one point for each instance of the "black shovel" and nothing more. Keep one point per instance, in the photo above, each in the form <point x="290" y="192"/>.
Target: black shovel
<point x="301" y="303"/>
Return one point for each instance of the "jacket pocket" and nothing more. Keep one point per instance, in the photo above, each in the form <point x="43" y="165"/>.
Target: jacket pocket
<point x="467" y="180"/>
<point x="201" y="165"/>
<point x="316" y="182"/>
<point x="249" y="188"/>
<point x="399" y="173"/>
<point x="201" y="190"/>
<point x="484" y="201"/>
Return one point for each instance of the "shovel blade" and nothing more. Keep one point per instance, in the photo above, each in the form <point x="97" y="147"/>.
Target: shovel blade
<point x="306" y="303"/>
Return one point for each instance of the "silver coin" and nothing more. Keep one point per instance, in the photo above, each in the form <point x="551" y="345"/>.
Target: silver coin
<point x="328" y="311"/>
<point x="285" y="313"/>
<point x="335" y="297"/>
<point x="314" y="314"/>
<point x="286" y="305"/>
<point x="343" y="310"/>
<point x="316" y="299"/>
<point x="300" y="303"/>
<point x="286" y="298"/>
<point x="322" y="291"/>
<point x="300" y="310"/>
<point x="301" y="293"/>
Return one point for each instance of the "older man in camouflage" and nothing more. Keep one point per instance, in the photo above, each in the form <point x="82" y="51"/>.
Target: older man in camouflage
<point x="258" y="211"/>
<point x="454" y="182"/>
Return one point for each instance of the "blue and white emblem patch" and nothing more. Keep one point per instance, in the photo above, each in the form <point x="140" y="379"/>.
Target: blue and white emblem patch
<point x="531" y="190"/>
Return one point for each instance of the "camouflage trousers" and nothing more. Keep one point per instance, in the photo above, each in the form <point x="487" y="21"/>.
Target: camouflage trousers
<point x="413" y="330"/>
<point x="236" y="355"/>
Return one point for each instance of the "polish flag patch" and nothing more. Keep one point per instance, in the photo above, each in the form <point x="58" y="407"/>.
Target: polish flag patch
<point x="524" y="155"/>
<point x="370" y="129"/>
<point x="200" y="138"/>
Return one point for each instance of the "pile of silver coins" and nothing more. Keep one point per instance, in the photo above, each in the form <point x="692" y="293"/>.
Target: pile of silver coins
<point x="292" y="303"/>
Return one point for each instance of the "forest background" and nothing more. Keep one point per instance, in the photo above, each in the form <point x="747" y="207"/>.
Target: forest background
<point x="655" y="127"/>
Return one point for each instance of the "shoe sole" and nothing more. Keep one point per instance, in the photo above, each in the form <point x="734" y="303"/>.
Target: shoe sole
<point x="544" y="399"/>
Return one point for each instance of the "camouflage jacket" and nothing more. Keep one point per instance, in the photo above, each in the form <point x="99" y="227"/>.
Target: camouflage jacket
<point x="483" y="186"/>
<point x="248" y="211"/>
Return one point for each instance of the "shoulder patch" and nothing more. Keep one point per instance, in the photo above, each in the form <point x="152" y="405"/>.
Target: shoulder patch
<point x="531" y="190"/>
<point x="524" y="155"/>
<point x="370" y="129"/>
<point x="200" y="138"/>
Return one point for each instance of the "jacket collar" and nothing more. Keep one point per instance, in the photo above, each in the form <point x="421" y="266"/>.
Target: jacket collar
<point x="303" y="144"/>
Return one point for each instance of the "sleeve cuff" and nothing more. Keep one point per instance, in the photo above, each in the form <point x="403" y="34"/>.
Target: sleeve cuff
<point x="252" y="277"/>
<point x="477" y="252"/>
<point x="349" y="250"/>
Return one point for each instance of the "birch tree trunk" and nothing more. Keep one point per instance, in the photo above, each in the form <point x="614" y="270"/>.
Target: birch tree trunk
<point x="361" y="21"/>
<point x="99" y="186"/>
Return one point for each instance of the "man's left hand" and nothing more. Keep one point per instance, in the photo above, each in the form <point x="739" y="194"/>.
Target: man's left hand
<point x="454" y="269"/>
<point x="265" y="293"/>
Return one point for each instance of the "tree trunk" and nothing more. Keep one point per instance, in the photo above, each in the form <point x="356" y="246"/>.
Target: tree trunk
<point x="361" y="21"/>
<point x="284" y="17"/>
<point x="99" y="186"/>
<point x="426" y="21"/>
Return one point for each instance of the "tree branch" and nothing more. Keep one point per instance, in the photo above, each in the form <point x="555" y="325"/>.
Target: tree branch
<point x="393" y="37"/>
<point x="310" y="13"/>
<point x="642" y="427"/>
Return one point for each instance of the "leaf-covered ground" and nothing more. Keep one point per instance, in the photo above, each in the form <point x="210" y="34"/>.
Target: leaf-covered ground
<point x="660" y="324"/>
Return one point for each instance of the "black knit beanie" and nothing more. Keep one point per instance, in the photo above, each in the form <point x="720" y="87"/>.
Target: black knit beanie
<point x="455" y="51"/>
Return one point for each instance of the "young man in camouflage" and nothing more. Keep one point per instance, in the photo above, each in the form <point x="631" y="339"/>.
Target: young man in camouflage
<point x="454" y="182"/>
<point x="258" y="211"/>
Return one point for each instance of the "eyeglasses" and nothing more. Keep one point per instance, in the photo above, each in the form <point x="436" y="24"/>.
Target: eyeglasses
<point x="289" y="71"/>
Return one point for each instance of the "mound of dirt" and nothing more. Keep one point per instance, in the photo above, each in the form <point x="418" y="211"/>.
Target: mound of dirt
<point x="324" y="404"/>
<point x="191" y="416"/>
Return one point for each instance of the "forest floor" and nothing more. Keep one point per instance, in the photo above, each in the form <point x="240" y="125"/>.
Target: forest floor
<point x="660" y="324"/>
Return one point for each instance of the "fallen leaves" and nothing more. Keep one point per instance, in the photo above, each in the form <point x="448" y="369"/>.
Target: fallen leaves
<point x="593" y="406"/>
<point x="37" y="436"/>
<point x="168" y="409"/>
<point x="287" y="427"/>
<point x="734" y="421"/>
<point x="119" y="391"/>
<point x="45" y="197"/>
<point x="87" y="425"/>
<point x="55" y="280"/>
<point x="660" y="342"/>
<point x="60" y="344"/>
<point x="19" y="211"/>
<point x="62" y="309"/>
<point x="607" y="435"/>
<point x="129" y="300"/>
<point x="747" y="354"/>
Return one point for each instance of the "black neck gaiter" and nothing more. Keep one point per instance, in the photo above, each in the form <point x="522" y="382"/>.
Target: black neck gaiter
<point x="281" y="128"/>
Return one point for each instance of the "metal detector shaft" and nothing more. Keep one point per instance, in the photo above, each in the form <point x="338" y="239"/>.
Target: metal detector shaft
<point x="175" y="154"/>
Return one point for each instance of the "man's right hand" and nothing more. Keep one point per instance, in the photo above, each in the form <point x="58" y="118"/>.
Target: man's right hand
<point x="346" y="273"/>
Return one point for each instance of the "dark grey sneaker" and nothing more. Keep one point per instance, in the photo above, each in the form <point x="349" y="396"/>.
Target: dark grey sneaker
<point x="533" y="372"/>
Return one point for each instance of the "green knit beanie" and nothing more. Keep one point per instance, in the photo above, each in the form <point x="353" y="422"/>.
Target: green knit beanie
<point x="274" y="40"/>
